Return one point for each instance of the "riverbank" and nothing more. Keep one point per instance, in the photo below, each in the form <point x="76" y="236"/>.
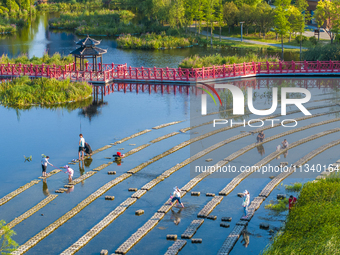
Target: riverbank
<point x="312" y="225"/>
<point x="55" y="59"/>
<point x="24" y="91"/>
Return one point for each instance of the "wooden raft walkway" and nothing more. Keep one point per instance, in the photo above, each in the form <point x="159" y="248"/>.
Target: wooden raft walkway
<point x="233" y="237"/>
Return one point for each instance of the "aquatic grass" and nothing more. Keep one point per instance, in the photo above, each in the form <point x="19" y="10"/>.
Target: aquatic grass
<point x="154" y="41"/>
<point x="218" y="60"/>
<point x="25" y="91"/>
<point x="297" y="186"/>
<point x="280" y="206"/>
<point x="98" y="22"/>
<point x="312" y="226"/>
<point x="56" y="59"/>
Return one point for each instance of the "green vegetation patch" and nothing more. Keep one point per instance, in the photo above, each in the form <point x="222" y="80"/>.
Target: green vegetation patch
<point x="56" y="59"/>
<point x="98" y="22"/>
<point x="295" y="187"/>
<point x="154" y="41"/>
<point x="54" y="7"/>
<point x="25" y="91"/>
<point x="323" y="53"/>
<point x="218" y="60"/>
<point x="280" y="206"/>
<point x="313" y="224"/>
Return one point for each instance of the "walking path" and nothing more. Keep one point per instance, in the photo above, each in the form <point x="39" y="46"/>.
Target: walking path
<point x="254" y="42"/>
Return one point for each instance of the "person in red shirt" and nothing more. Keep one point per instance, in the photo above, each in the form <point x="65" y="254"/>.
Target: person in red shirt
<point x="292" y="202"/>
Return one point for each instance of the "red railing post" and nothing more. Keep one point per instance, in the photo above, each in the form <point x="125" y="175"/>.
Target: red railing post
<point x="36" y="70"/>
<point x="280" y="66"/>
<point x="86" y="66"/>
<point x="332" y="67"/>
<point x="42" y="69"/>
<point x="167" y="73"/>
<point x="130" y="69"/>
<point x="2" y="69"/>
<point x="244" y="68"/>
<point x="318" y="65"/>
<point x="77" y="74"/>
<point x="155" y="73"/>
<point x="104" y="76"/>
<point x="259" y="68"/>
<point x="293" y="66"/>
<point x="149" y="73"/>
<point x="100" y="66"/>
<point x="179" y="72"/>
<point x="48" y="71"/>
<point x="187" y="71"/>
<point x="267" y="67"/>
<point x="74" y="66"/>
<point x="213" y="73"/>
<point x="142" y="72"/>
<point x="174" y="73"/>
<point x="203" y="73"/>
<point x="12" y="69"/>
<point x="254" y="67"/>
<point x="161" y="74"/>
<point x="223" y="70"/>
<point x="234" y="69"/>
<point x="19" y="68"/>
<point x="31" y="68"/>
<point x="305" y="66"/>
<point x="91" y="75"/>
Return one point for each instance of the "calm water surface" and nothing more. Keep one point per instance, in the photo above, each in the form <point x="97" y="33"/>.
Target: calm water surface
<point x="55" y="131"/>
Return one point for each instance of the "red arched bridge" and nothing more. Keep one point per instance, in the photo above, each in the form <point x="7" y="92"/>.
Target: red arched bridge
<point x="108" y="73"/>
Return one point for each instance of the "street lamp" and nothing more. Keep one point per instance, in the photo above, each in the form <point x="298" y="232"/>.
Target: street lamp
<point x="241" y="30"/>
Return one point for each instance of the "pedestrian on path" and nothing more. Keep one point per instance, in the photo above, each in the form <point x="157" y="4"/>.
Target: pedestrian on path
<point x="245" y="203"/>
<point x="81" y="146"/>
<point x="176" y="196"/>
<point x="44" y="163"/>
<point x="70" y="172"/>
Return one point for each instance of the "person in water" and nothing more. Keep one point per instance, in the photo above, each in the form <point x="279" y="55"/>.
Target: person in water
<point x="88" y="150"/>
<point x="118" y="156"/>
<point x="176" y="196"/>
<point x="70" y="172"/>
<point x="44" y="163"/>
<point x="81" y="146"/>
<point x="260" y="137"/>
<point x="285" y="144"/>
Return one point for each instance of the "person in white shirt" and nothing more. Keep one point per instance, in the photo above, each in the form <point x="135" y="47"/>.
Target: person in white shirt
<point x="285" y="144"/>
<point x="70" y="172"/>
<point x="81" y="146"/>
<point x="44" y="163"/>
<point x="176" y="196"/>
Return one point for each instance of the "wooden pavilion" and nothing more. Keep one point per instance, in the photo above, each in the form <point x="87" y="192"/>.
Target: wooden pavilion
<point x="88" y="49"/>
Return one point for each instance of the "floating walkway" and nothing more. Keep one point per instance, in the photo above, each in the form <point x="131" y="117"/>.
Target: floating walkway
<point x="233" y="237"/>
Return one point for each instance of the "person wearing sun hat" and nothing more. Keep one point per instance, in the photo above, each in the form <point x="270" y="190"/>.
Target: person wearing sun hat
<point x="245" y="203"/>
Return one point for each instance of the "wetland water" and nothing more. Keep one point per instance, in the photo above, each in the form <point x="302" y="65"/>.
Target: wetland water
<point x="55" y="131"/>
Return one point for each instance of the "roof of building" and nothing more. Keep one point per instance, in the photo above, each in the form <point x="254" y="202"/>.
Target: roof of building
<point x="88" y="51"/>
<point x="88" y="41"/>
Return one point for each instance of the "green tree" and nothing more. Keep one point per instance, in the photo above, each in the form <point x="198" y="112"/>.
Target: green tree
<point x="176" y="14"/>
<point x="281" y="17"/>
<point x="7" y="243"/>
<point x="246" y="14"/>
<point x="264" y="18"/>
<point x="325" y="10"/>
<point x="230" y="14"/>
<point x="220" y="16"/>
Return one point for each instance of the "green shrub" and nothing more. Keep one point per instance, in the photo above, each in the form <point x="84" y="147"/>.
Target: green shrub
<point x="297" y="186"/>
<point x="323" y="52"/>
<point x="280" y="206"/>
<point x="304" y="39"/>
<point x="56" y="59"/>
<point x="25" y="91"/>
<point x="312" y="226"/>
<point x="218" y="60"/>
<point x="313" y="40"/>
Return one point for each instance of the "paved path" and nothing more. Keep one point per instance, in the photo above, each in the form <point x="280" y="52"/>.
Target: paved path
<point x="254" y="42"/>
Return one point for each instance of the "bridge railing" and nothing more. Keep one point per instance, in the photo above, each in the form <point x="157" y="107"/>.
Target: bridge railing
<point x="108" y="72"/>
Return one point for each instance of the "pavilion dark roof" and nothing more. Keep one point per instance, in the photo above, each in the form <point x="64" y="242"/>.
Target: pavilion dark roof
<point x="88" y="51"/>
<point x="87" y="41"/>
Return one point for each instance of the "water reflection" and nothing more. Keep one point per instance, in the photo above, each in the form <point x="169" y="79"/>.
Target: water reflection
<point x="45" y="188"/>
